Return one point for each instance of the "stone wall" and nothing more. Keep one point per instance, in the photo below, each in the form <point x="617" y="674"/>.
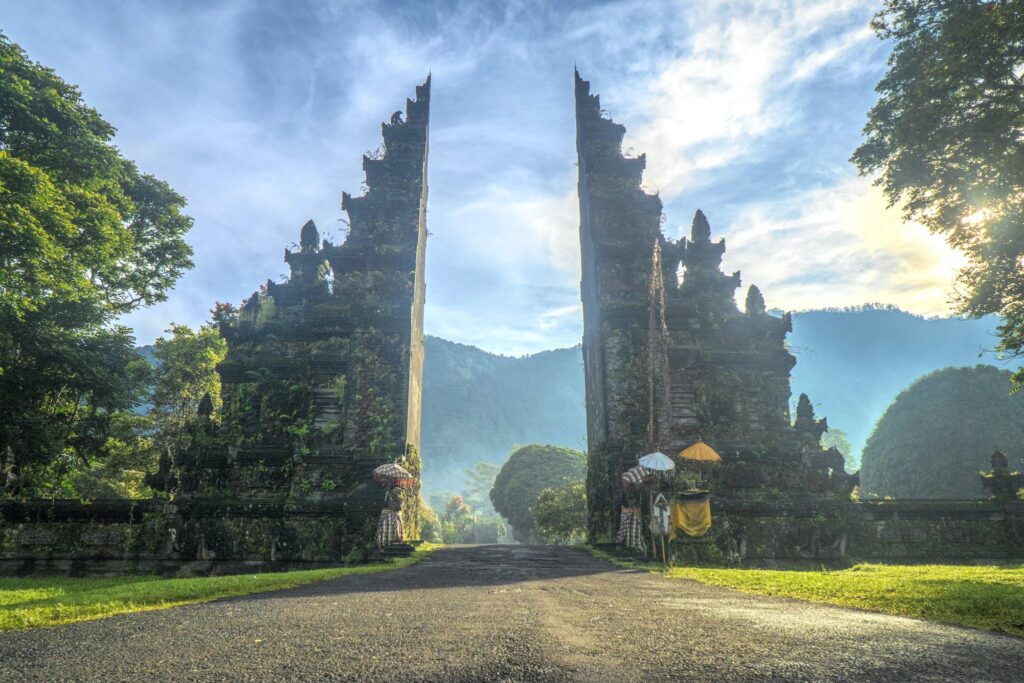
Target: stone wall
<point x="192" y="538"/>
<point x="120" y="536"/>
<point x="768" y="533"/>
<point x="71" y="537"/>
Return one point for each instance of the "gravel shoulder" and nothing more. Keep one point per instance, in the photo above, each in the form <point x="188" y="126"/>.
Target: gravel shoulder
<point x="509" y="613"/>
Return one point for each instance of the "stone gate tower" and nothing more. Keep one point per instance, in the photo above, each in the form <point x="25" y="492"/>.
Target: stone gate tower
<point x="322" y="380"/>
<point x="623" y="302"/>
<point x="668" y="355"/>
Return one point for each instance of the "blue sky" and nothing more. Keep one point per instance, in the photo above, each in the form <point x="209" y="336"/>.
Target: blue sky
<point x="258" y="112"/>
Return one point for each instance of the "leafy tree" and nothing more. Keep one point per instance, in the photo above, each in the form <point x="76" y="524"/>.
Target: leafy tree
<point x="457" y="521"/>
<point x="84" y="237"/>
<point x="80" y="220"/>
<point x="485" y="525"/>
<point x="528" y="471"/>
<point x="479" y="482"/>
<point x="460" y="523"/>
<point x="439" y="499"/>
<point x="940" y="433"/>
<point x="130" y="452"/>
<point x="61" y="391"/>
<point x="947" y="136"/>
<point x="489" y="529"/>
<point x="560" y="514"/>
<point x="185" y="372"/>
<point x="430" y="525"/>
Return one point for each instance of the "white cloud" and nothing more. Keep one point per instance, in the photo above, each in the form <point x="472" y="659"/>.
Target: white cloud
<point x="734" y="76"/>
<point x="259" y="114"/>
<point x="841" y="246"/>
<point x="704" y="109"/>
<point x="840" y="48"/>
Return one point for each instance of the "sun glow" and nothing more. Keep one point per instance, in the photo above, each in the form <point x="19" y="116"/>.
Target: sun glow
<point x="976" y="218"/>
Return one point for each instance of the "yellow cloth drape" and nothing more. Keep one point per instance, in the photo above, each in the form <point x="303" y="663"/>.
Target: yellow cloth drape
<point x="692" y="516"/>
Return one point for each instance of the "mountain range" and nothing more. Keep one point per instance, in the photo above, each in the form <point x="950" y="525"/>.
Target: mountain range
<point x="852" y="363"/>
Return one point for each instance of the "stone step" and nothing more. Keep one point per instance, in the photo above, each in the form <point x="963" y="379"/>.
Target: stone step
<point x="620" y="551"/>
<point x="395" y="551"/>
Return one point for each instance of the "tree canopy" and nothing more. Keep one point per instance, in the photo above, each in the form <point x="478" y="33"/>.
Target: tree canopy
<point x="84" y="238"/>
<point x="940" y="433"/>
<point x="560" y="514"/>
<point x="81" y="222"/>
<point x="947" y="141"/>
<point x="479" y="480"/>
<point x="528" y="471"/>
<point x="185" y="372"/>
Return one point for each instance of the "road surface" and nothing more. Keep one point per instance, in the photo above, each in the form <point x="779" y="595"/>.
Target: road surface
<point x="509" y="613"/>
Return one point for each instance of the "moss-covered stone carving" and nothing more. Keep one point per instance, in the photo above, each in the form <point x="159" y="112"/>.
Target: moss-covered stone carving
<point x="322" y="378"/>
<point x="669" y="357"/>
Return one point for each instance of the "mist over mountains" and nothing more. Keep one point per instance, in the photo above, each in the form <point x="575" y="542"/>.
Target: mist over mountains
<point x="852" y="363"/>
<point x="477" y="406"/>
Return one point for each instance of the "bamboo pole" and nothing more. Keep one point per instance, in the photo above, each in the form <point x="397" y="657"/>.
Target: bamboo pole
<point x="650" y="523"/>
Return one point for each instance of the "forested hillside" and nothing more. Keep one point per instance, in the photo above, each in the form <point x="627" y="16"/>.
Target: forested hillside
<point x="939" y="433"/>
<point x="477" y="406"/>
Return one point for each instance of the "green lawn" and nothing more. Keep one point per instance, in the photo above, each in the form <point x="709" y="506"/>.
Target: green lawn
<point x="48" y="601"/>
<point x="987" y="597"/>
<point x="980" y="596"/>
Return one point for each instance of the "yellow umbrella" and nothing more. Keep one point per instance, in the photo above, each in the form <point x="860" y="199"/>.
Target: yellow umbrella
<point x="700" y="451"/>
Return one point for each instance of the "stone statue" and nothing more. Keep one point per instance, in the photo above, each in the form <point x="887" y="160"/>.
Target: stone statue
<point x="1001" y="482"/>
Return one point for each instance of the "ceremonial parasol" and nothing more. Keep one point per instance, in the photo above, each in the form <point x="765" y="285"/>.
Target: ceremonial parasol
<point x="657" y="461"/>
<point x="698" y="459"/>
<point x="394" y="474"/>
<point x="700" y="452"/>
<point x="660" y="465"/>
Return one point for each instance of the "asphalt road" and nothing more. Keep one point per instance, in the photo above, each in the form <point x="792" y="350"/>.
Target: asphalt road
<point x="508" y="613"/>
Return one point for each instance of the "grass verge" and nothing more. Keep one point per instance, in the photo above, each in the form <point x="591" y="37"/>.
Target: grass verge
<point x="984" y="597"/>
<point x="50" y="601"/>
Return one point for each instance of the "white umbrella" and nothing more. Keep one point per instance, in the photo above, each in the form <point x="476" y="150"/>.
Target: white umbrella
<point x="661" y="465"/>
<point x="657" y="461"/>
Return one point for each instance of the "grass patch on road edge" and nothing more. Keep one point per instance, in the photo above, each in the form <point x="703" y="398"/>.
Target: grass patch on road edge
<point x="53" y="600"/>
<point x="987" y="597"/>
